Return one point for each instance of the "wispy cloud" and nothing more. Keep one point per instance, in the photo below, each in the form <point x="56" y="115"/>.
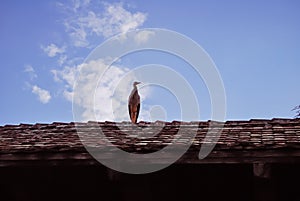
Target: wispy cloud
<point x="114" y="20"/>
<point x="52" y="50"/>
<point x="143" y="36"/>
<point x="117" y="19"/>
<point x="80" y="3"/>
<point x="43" y="95"/>
<point x="62" y="59"/>
<point x="30" y="70"/>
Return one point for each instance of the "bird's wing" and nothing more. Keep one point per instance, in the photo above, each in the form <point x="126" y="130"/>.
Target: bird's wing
<point x="129" y="110"/>
<point x="137" y="112"/>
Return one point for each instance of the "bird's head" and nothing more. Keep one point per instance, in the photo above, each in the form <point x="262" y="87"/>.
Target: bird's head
<point x="136" y="83"/>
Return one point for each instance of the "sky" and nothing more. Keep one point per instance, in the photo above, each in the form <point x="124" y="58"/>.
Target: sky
<point x="255" y="46"/>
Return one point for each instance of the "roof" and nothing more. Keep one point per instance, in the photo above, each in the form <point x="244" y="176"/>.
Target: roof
<point x="275" y="140"/>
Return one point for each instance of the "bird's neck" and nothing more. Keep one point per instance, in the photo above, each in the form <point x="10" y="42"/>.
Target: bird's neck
<point x="134" y="90"/>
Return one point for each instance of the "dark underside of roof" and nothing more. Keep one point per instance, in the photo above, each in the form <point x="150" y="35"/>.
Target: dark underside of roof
<point x="271" y="141"/>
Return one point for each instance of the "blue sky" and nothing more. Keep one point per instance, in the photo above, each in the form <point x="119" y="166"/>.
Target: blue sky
<point x="254" y="44"/>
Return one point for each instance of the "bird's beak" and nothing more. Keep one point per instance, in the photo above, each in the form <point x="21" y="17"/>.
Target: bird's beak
<point x="139" y="83"/>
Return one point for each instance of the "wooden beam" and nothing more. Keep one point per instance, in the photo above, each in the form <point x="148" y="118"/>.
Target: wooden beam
<point x="113" y="175"/>
<point x="191" y="157"/>
<point x="263" y="183"/>
<point x="262" y="170"/>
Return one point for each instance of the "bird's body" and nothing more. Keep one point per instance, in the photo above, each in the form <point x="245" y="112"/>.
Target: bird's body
<point x="134" y="103"/>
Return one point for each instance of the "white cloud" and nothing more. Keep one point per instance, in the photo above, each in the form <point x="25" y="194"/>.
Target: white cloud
<point x="118" y="20"/>
<point x="55" y="75"/>
<point x="79" y="37"/>
<point x="52" y="50"/>
<point x="114" y="20"/>
<point x="98" y="99"/>
<point x="30" y="70"/>
<point x="62" y="59"/>
<point x="80" y="3"/>
<point x="43" y="95"/>
<point x="143" y="36"/>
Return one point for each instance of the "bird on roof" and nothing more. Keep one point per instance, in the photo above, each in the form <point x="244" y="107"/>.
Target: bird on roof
<point x="134" y="103"/>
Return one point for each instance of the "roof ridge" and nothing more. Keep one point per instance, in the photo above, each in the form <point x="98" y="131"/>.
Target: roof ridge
<point x="274" y="120"/>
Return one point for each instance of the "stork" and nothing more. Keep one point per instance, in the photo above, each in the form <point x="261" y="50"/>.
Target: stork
<point x="134" y="103"/>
